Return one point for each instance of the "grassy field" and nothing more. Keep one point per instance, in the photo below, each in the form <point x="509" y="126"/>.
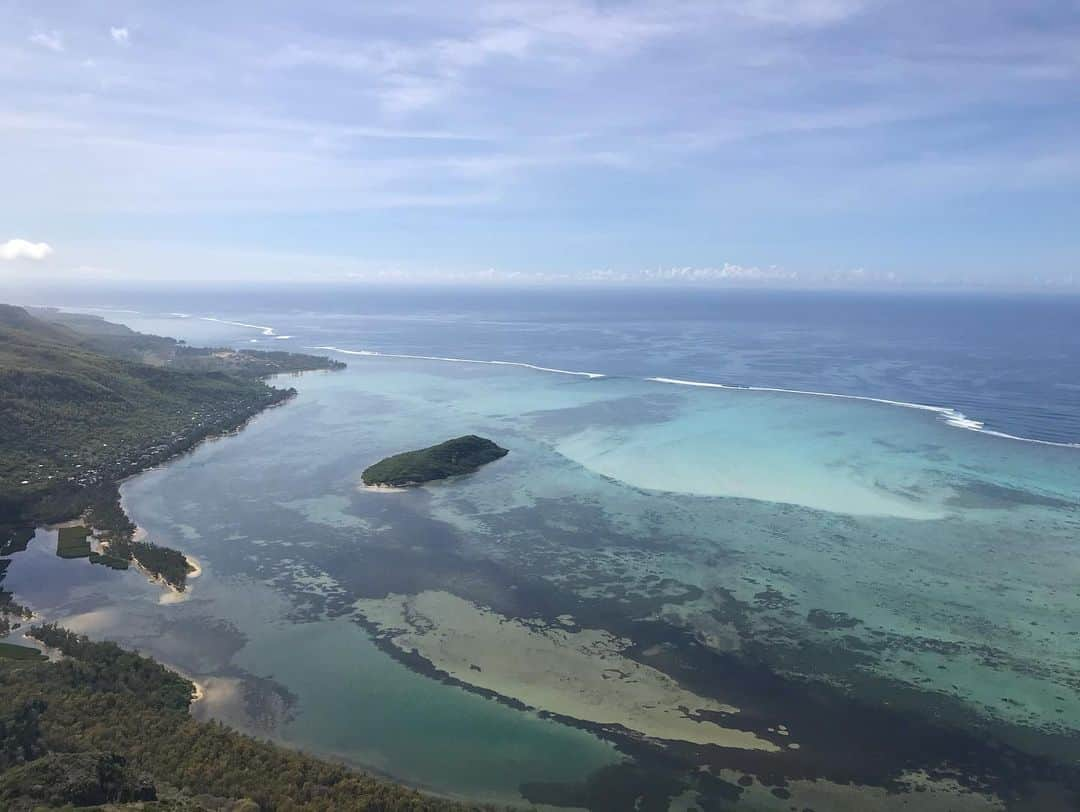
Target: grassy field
<point x="10" y="651"/>
<point x="73" y="542"/>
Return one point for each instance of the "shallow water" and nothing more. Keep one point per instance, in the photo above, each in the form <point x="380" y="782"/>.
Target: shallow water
<point x="847" y="542"/>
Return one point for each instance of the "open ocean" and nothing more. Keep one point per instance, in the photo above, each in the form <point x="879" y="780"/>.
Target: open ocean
<point x="1011" y="362"/>
<point x="846" y="525"/>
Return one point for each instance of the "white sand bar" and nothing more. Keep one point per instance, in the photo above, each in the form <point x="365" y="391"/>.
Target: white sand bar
<point x="583" y="674"/>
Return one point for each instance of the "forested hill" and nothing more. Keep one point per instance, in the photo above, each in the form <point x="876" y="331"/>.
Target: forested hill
<point x="74" y="418"/>
<point x="104" y="726"/>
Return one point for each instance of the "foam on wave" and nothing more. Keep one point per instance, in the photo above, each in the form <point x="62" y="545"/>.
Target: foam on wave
<point x="948" y="415"/>
<point x="266" y="331"/>
<point x="464" y="361"/>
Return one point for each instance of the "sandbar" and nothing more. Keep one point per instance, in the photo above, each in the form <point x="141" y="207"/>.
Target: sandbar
<point x="579" y="674"/>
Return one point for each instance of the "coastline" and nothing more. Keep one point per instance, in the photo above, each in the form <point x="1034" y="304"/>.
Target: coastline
<point x="384" y="488"/>
<point x="456" y="675"/>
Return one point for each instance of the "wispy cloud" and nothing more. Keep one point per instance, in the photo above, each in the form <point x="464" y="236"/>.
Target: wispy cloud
<point x="52" y="40"/>
<point x="412" y="75"/>
<point x="726" y="273"/>
<point x="815" y="134"/>
<point x="24" y="249"/>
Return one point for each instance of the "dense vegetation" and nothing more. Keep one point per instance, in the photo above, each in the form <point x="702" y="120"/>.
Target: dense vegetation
<point x="85" y="402"/>
<point x="11" y="651"/>
<point x="103" y="724"/>
<point x="75" y="419"/>
<point x="116" y="532"/>
<point x="462" y="455"/>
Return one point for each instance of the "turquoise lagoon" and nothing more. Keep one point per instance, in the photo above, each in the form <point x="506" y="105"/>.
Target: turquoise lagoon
<point x="870" y="547"/>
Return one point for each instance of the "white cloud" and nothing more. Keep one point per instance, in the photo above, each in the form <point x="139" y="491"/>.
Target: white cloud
<point x="120" y="35"/>
<point x="53" y="40"/>
<point x="727" y="271"/>
<point x="24" y="249"/>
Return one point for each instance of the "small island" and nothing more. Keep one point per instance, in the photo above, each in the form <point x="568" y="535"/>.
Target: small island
<point x="462" y="455"/>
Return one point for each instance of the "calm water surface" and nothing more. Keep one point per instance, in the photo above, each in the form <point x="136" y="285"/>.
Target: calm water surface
<point x="879" y="549"/>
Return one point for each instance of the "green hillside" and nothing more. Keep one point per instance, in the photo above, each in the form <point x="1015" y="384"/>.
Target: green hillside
<point x="75" y="419"/>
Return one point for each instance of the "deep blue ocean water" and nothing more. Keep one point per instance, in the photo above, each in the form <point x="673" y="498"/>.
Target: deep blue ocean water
<point x="1011" y="362"/>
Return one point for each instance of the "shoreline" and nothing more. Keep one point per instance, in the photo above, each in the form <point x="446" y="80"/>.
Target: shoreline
<point x="384" y="488"/>
<point x="172" y="593"/>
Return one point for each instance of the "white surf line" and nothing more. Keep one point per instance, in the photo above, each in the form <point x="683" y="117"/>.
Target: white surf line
<point x="266" y="331"/>
<point x="522" y="364"/>
<point x="950" y="416"/>
<point x="1005" y="436"/>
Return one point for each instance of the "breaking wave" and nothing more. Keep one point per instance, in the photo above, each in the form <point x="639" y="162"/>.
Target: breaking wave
<point x="948" y="415"/>
<point x="266" y="331"/>
<point x="463" y="361"/>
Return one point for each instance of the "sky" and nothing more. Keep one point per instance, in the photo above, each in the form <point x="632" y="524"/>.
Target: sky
<point x="798" y="143"/>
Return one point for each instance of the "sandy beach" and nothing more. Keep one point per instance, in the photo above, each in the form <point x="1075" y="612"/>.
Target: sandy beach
<point x="381" y="488"/>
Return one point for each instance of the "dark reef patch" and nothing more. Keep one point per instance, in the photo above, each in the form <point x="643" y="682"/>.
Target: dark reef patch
<point x="977" y="493"/>
<point x="622" y="411"/>
<point x="821" y="619"/>
<point x="840" y="737"/>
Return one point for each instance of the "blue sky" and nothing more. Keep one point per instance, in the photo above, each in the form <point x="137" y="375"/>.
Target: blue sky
<point x="797" y="143"/>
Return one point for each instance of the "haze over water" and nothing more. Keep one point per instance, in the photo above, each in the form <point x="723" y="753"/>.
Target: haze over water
<point x="898" y="552"/>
